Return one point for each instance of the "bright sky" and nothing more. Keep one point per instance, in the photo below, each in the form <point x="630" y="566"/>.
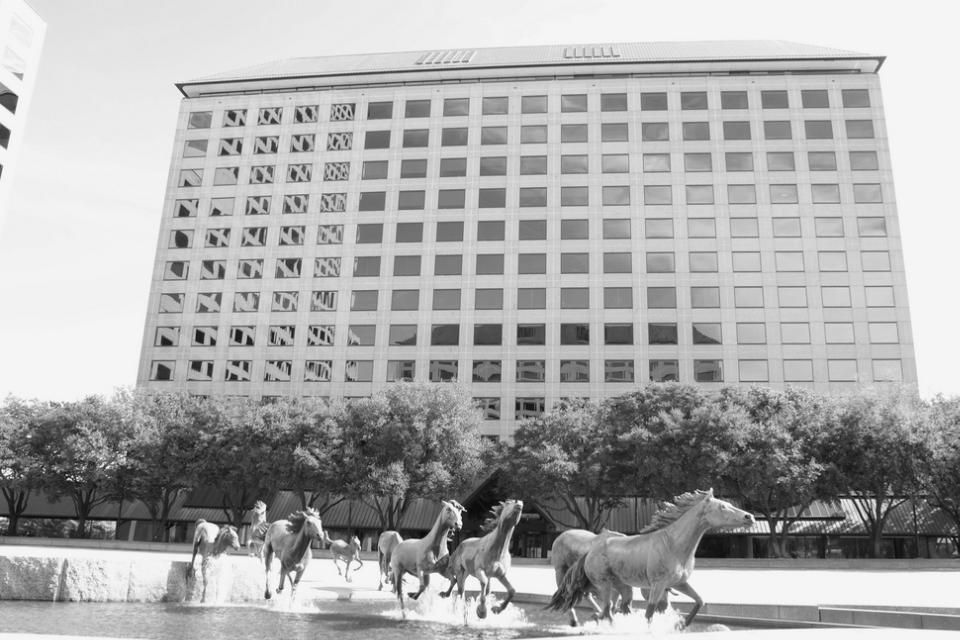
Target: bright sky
<point x="78" y="241"/>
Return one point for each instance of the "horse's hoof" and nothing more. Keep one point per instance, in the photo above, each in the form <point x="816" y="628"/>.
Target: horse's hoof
<point x="412" y="595"/>
<point x="267" y="595"/>
<point x="444" y="595"/>
<point x="481" y="613"/>
<point x="497" y="608"/>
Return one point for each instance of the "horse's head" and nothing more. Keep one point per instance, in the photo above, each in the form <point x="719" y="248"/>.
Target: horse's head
<point x="259" y="508"/>
<point x="720" y="513"/>
<point x="511" y="512"/>
<point x="228" y="536"/>
<point x="355" y="543"/>
<point x="450" y="516"/>
<point x="307" y="521"/>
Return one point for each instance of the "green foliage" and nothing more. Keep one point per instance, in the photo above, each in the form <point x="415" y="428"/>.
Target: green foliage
<point x="20" y="469"/>
<point x="941" y="470"/>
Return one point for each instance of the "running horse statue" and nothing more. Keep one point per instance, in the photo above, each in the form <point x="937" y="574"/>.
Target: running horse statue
<point x="290" y="541"/>
<point x="210" y="541"/>
<point x="387" y="542"/>
<point x="258" y="528"/>
<point x="659" y="558"/>
<point x="346" y="552"/>
<point x="487" y="557"/>
<point x="419" y="556"/>
<point x="567" y="549"/>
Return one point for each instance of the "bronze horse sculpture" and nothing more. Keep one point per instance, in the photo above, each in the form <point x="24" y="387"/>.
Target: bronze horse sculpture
<point x="258" y="528"/>
<point x="659" y="558"/>
<point x="387" y="542"/>
<point x="210" y="541"/>
<point x="346" y="552"/>
<point x="290" y="541"/>
<point x="487" y="557"/>
<point x="419" y="556"/>
<point x="568" y="548"/>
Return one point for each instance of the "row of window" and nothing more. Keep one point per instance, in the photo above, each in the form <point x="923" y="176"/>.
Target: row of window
<point x="529" y="371"/>
<point x="536" y="298"/>
<point x="527" y="230"/>
<point x="568" y="103"/>
<point x="535" y="134"/>
<point x="527" y="263"/>
<point x="573" y="333"/>
<point x="525" y="197"/>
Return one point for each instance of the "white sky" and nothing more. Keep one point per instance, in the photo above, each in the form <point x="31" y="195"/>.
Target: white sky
<point x="78" y="242"/>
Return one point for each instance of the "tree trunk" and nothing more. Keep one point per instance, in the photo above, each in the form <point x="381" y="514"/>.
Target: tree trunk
<point x="13" y="521"/>
<point x="16" y="504"/>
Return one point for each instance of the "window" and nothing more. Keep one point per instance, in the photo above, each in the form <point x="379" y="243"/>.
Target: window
<point x="617" y="333"/>
<point x="162" y="370"/>
<point x="703" y="262"/>
<point x="235" y="118"/>
<point x="744" y="228"/>
<point x="664" y="371"/>
<point x="487" y="370"/>
<point x="533" y="165"/>
<point x="262" y="174"/>
<point x="825" y="193"/>
<point x="533" y="104"/>
<point x="887" y="371"/>
<point x="531" y="334"/>
<point x="614" y="132"/>
<point x="213" y="269"/>
<point x="616" y="228"/>
<point x="493" y="166"/>
<point x="406" y="265"/>
<point x="818" y="129"/>
<point x="403" y="335"/>
<point x="842" y="370"/>
<point x="867" y="193"/>
<point x="363" y="301"/>
<point x="792" y="296"/>
<point x="241" y="336"/>
<point x="753" y="371"/>
<point x="532" y="298"/>
<point x="417" y="109"/>
<point x="221" y="207"/>
<point x="620" y="162"/>
<point x="574" y="229"/>
<point x="574" y="333"/>
<point x="654" y="131"/>
<point x="176" y="270"/>
<point x="529" y="408"/>
<point x="330" y="234"/>
<point x="883" y="333"/>
<point x="777" y="130"/>
<point x="379" y="111"/>
<point x="859" y="129"/>
<point x="573" y="103"/>
<point x="182" y="239"/>
<point x="446" y="299"/>
<point x="822" y="160"/>
<point x="741" y="194"/>
<point x="653" y="101"/>
<point x="200" y="120"/>
<point x="194" y="148"/>
<point x="292" y="236"/>
<point x="573" y="164"/>
<point x="660" y="262"/>
<point x="451" y="231"/>
<point x="250" y="268"/>
<point x="738" y="161"/>
<point x="875" y="260"/>
<point x="835" y="296"/>
<point x="343" y="141"/>
<point x="657" y="194"/>
<point x="708" y="370"/>
<point x="415" y="138"/>
<point x="453" y="167"/>
<point x="492" y="198"/>
<point x="284" y="301"/>
<point x="358" y="371"/>
<point x="488" y="299"/>
<point x="533" y="134"/>
<point x="488" y="135"/>
<point x="487" y="334"/>
<point x="531" y="371"/>
<point x="167" y="337"/>
<point x="786" y="227"/>
<point x="246" y="301"/>
<point x="736" y="130"/>
<point x="789" y="260"/>
<point x="864" y="161"/>
<point x="879" y="296"/>
<point x="318" y="371"/>
<point x="532" y="263"/>
<point x="451" y="199"/>
<point x="445" y="334"/>
<point x="495" y="106"/>
<point x="855" y="98"/>
<point x="532" y="229"/>
<point x="225" y="175"/>
<point x="613" y="102"/>
<point x="662" y="333"/>
<point x="376" y="140"/>
<point x="410" y="200"/>
<point x="751" y="333"/>
<point x="733" y="100"/>
<point x="281" y="336"/>
<point x="533" y="196"/>
<point x="299" y="143"/>
<point x="413" y="168"/>
<point x="838" y="332"/>
<point x="398" y="370"/>
<point x="659" y="228"/>
<point x="372" y="201"/>
<point x="832" y="260"/>
<point x="828" y="227"/>
<point x="745" y="261"/>
<point x="456" y="106"/>
<point x="815" y="99"/>
<point x="328" y="267"/>
<point x="491" y="411"/>
<point x="617" y="298"/>
<point x="574" y="298"/>
<point x="490" y="230"/>
<point x="574" y="371"/>
<point x="616" y="196"/>
<point x="783" y="194"/>
<point x="489" y="264"/>
<point x="200" y="370"/>
<point x="370" y="233"/>
<point x="696" y="130"/>
<point x="209" y="302"/>
<point x="409" y="232"/>
<point x="619" y="262"/>
<point x="871" y="227"/>
<point x="573" y="133"/>
<point x="798" y="370"/>
<point x="696" y="162"/>
<point x="780" y="161"/>
<point x="745" y="297"/>
<point x="795" y="332"/>
<point x="337" y="202"/>
<point x="323" y="301"/>
<point x="699" y="194"/>
<point x="707" y="333"/>
<point x="661" y="297"/>
<point x="230" y="147"/>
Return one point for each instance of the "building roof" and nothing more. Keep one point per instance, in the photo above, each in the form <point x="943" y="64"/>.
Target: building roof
<point x="659" y="57"/>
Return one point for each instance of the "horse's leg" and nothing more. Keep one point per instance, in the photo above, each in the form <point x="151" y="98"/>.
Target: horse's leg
<point x="502" y="577"/>
<point x="267" y="552"/>
<point x="204" y="571"/>
<point x="606" y="591"/>
<point x="653" y="598"/>
<point x="296" y="581"/>
<point x="626" y="598"/>
<point x="484" y="590"/>
<point x="284" y="572"/>
<point x="333" y="554"/>
<point x="193" y="558"/>
<point x="347" y="570"/>
<point x="424" y="583"/>
<point x="688" y="591"/>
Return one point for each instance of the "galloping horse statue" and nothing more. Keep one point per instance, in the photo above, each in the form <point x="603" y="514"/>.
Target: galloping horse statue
<point x="487" y="557"/>
<point x="290" y="541"/>
<point x="419" y="556"/>
<point x="346" y="552"/>
<point x="210" y="541"/>
<point x="387" y="542"/>
<point x="258" y="528"/>
<point x="659" y="558"/>
<point x="567" y="549"/>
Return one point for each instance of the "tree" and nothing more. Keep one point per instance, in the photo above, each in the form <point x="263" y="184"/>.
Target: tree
<point x="566" y="457"/>
<point x="774" y="469"/>
<point x="876" y="449"/>
<point x="163" y="453"/>
<point x="20" y="469"/>
<point x="942" y="467"/>
<point x="82" y="446"/>
<point x="410" y="441"/>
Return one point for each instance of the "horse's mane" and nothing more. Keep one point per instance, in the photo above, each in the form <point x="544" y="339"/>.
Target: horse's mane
<point x="669" y="512"/>
<point x="297" y="518"/>
<point x="490" y="523"/>
<point x="259" y="505"/>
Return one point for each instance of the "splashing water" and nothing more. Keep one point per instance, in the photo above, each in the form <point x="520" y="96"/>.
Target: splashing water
<point x="460" y="611"/>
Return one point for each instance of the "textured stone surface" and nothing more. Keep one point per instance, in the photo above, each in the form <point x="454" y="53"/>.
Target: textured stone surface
<point x="29" y="578"/>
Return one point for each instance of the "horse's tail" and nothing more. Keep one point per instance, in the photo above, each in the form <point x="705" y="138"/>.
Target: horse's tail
<point x="572" y="589"/>
<point x="443" y="565"/>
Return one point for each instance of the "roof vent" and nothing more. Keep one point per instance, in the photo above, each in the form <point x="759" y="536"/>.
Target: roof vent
<point x="450" y="56"/>
<point x="587" y="52"/>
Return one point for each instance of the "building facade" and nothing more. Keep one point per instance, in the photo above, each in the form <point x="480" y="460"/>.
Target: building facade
<point x="540" y="223"/>
<point x="21" y="40"/>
